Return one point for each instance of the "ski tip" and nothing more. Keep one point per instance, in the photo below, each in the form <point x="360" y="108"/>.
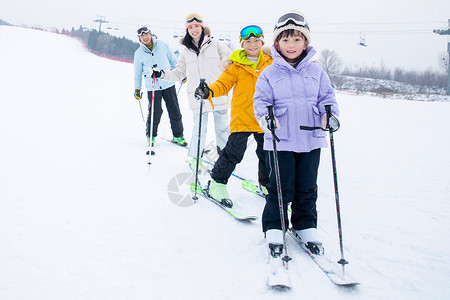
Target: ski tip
<point x="280" y="287"/>
<point x="349" y="284"/>
<point x="148" y="152"/>
<point x="246" y="219"/>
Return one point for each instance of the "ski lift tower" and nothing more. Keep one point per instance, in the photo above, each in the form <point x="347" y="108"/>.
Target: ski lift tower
<point x="100" y="20"/>
<point x="446" y="32"/>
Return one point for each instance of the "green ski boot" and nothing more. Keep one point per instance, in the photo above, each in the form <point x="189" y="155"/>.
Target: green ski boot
<point x="218" y="191"/>
<point x="180" y="141"/>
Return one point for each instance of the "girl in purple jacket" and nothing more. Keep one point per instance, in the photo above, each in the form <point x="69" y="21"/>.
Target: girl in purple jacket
<point x="298" y="89"/>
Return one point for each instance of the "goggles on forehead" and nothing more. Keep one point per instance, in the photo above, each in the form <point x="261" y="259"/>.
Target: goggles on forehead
<point x="143" y="30"/>
<point x="250" y="30"/>
<point x="193" y="17"/>
<point x="292" y="17"/>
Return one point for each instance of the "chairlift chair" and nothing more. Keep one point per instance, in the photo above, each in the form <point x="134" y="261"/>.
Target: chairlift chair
<point x="362" y="40"/>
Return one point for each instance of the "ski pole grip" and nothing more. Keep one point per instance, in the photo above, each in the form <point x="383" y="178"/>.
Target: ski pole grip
<point x="203" y="84"/>
<point x="272" y="122"/>
<point x="328" y="110"/>
<point x="154" y="78"/>
<point x="271" y="117"/>
<point x="270" y="110"/>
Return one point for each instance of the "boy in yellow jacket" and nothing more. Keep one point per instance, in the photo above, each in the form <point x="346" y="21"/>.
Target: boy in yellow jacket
<point x="244" y="67"/>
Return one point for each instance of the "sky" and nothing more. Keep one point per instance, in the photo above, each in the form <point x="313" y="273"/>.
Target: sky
<point x="397" y="33"/>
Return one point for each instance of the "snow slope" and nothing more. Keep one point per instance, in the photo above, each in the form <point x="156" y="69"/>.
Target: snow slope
<point x="82" y="216"/>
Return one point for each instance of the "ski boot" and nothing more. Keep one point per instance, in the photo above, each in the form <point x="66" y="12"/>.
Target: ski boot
<point x="180" y="141"/>
<point x="310" y="239"/>
<point x="153" y="141"/>
<point x="218" y="191"/>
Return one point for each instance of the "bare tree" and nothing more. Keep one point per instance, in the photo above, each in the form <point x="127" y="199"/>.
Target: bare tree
<point x="331" y="62"/>
<point x="443" y="61"/>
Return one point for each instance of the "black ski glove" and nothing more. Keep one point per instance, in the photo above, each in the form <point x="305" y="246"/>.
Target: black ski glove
<point x="157" y="73"/>
<point x="202" y="91"/>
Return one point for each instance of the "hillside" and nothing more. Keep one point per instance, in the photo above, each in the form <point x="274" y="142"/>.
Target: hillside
<point x="83" y="217"/>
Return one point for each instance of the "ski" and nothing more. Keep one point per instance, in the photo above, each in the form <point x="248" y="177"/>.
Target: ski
<point x="278" y="277"/>
<point x="332" y="269"/>
<point x="202" y="191"/>
<point x="171" y="141"/>
<point x="205" y="151"/>
<point x="233" y="211"/>
<point x="247" y="184"/>
<point x="279" y="280"/>
<point x="252" y="187"/>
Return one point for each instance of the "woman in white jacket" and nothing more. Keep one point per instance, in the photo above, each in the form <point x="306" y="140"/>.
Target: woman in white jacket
<point x="201" y="58"/>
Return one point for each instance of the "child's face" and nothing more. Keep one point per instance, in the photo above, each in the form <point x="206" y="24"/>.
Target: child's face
<point x="252" y="46"/>
<point x="195" y="31"/>
<point x="291" y="47"/>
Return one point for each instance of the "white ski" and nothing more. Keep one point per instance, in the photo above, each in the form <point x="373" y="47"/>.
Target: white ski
<point x="332" y="269"/>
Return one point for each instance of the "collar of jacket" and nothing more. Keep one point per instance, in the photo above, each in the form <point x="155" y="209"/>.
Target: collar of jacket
<point x="146" y="49"/>
<point x="206" y="42"/>
<point x="279" y="60"/>
<point x="240" y="56"/>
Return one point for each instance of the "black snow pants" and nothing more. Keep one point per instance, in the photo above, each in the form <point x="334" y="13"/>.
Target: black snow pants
<point x="170" y="97"/>
<point x="232" y="154"/>
<point x="298" y="172"/>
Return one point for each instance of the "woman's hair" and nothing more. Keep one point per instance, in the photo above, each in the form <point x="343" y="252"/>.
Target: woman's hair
<point x="189" y="43"/>
<point x="290" y="32"/>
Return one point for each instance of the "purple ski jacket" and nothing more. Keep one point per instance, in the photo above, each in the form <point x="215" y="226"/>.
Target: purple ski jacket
<point x="299" y="96"/>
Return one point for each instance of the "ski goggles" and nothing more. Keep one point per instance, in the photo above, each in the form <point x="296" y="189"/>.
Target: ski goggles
<point x="292" y="17"/>
<point x="143" y="30"/>
<point x="250" y="30"/>
<point x="193" y="17"/>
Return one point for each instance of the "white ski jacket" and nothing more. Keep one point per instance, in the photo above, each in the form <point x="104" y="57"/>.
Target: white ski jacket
<point x="207" y="64"/>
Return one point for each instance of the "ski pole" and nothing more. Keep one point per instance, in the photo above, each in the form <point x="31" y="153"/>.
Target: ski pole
<point x="181" y="84"/>
<point x="342" y="261"/>
<point x="139" y="100"/>
<point x="332" y="129"/>
<point x="142" y="113"/>
<point x="202" y="83"/>
<point x="152" y="118"/>
<point x="275" y="139"/>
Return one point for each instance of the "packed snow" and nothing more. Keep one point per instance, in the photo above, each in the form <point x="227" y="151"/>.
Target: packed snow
<point x="83" y="215"/>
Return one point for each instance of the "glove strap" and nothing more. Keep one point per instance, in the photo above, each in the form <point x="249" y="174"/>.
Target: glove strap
<point x="204" y="85"/>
